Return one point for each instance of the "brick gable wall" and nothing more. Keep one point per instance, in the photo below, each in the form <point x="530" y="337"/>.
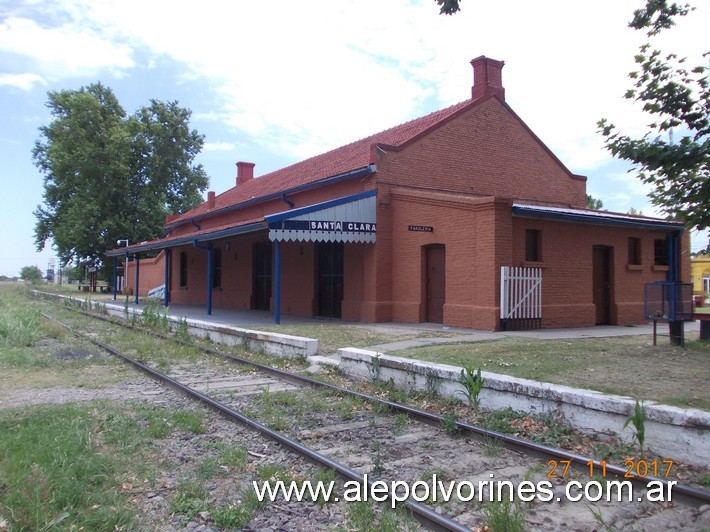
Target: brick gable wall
<point x="486" y="151"/>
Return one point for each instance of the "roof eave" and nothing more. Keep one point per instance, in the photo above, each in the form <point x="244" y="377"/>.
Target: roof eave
<point x="357" y="172"/>
<point x="660" y="225"/>
<point x="146" y="247"/>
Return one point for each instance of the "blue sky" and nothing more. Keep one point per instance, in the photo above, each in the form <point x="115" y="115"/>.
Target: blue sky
<point x="275" y="82"/>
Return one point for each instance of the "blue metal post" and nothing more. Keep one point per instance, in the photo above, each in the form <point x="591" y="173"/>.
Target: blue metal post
<point x="166" y="295"/>
<point x="673" y="255"/>
<point x="138" y="268"/>
<point x="210" y="275"/>
<point x="676" y="327"/>
<point x="277" y="282"/>
<point x="115" y="277"/>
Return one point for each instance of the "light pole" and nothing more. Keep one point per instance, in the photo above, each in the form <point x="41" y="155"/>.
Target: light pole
<point x="125" y="268"/>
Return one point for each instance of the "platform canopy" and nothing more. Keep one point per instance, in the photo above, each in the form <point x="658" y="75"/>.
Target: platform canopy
<point x="347" y="219"/>
<point x="595" y="217"/>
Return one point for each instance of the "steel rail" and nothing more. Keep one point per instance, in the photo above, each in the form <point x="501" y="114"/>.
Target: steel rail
<point x="424" y="515"/>
<point x="688" y="494"/>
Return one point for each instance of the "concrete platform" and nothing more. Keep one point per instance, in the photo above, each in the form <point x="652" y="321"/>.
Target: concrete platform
<point x="251" y="319"/>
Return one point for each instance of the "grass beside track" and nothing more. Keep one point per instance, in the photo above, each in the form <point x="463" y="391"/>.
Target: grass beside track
<point x="628" y="365"/>
<point x="83" y="466"/>
<point x="66" y="467"/>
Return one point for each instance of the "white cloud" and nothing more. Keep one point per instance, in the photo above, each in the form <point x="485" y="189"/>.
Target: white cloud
<point x="310" y="75"/>
<point x="24" y="81"/>
<point x="219" y="146"/>
<point x="62" y="51"/>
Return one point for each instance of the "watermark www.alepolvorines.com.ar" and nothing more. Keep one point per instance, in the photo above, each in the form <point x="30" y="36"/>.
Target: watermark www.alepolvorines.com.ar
<point x="437" y="490"/>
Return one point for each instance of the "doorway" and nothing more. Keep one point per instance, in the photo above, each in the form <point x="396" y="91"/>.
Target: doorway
<point x="602" y="257"/>
<point x="261" y="276"/>
<point x="329" y="273"/>
<point x="435" y="282"/>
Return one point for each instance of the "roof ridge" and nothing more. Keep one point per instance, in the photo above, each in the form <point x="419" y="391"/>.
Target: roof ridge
<point x="336" y="161"/>
<point x="452" y="108"/>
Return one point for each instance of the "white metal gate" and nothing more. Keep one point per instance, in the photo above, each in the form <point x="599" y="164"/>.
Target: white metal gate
<point x="520" y="298"/>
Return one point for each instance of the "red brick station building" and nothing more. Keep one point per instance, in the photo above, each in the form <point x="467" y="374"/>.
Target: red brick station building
<point x="461" y="217"/>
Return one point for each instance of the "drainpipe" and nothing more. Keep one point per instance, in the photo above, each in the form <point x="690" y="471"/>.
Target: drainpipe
<point x="207" y="248"/>
<point x="288" y="202"/>
<point x="166" y="294"/>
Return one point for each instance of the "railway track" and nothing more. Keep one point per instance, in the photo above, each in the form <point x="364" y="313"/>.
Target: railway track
<point x="366" y="440"/>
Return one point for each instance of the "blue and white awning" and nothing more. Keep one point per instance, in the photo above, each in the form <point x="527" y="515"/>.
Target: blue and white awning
<point x="348" y="219"/>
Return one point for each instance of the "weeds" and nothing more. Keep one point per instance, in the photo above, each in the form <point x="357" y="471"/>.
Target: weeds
<point x="361" y="516"/>
<point x="449" y="422"/>
<point x="500" y="420"/>
<point x="155" y="319"/>
<point x="393" y="393"/>
<point x="182" y="331"/>
<point x="432" y="383"/>
<point x="401" y="421"/>
<point x="472" y="382"/>
<point x="234" y="516"/>
<point x="51" y="463"/>
<point x="638" y="420"/>
<point x="189" y="421"/>
<point x="504" y="515"/>
<point x="599" y="518"/>
<point x="236" y="458"/>
<point x="327" y="478"/>
<point x="375" y="370"/>
<point x="614" y="450"/>
<point x="20" y="328"/>
<point x="191" y="499"/>
<point x="492" y="446"/>
<point x="555" y="433"/>
<point x="377" y="466"/>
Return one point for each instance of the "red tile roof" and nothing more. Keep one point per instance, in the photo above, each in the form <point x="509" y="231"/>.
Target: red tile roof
<point x="335" y="162"/>
<point x="169" y="241"/>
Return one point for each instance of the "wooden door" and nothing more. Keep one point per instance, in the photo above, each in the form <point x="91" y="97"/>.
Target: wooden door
<point x="330" y="279"/>
<point x="261" y="276"/>
<point x="435" y="283"/>
<point x="602" y="284"/>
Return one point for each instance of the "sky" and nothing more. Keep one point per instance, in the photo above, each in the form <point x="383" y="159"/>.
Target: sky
<point x="276" y="82"/>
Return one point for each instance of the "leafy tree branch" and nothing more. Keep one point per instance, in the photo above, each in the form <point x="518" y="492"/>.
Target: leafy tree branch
<point x="676" y="96"/>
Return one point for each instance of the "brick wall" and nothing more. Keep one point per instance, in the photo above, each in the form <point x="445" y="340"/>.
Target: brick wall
<point x="460" y="179"/>
<point x="568" y="274"/>
<point x="486" y="151"/>
<point x="151" y="274"/>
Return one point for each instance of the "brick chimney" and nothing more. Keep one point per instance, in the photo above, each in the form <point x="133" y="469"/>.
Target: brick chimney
<point x="487" y="78"/>
<point x="210" y="200"/>
<point x="245" y="172"/>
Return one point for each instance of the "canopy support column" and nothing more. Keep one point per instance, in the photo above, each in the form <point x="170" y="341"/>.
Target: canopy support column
<point x="277" y="282"/>
<point x="115" y="277"/>
<point x="138" y="270"/>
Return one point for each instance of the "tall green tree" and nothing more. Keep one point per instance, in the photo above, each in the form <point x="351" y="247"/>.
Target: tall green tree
<point x="31" y="274"/>
<point x="83" y="155"/>
<point x="673" y="155"/>
<point x="108" y="176"/>
<point x="163" y="177"/>
<point x="594" y="203"/>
